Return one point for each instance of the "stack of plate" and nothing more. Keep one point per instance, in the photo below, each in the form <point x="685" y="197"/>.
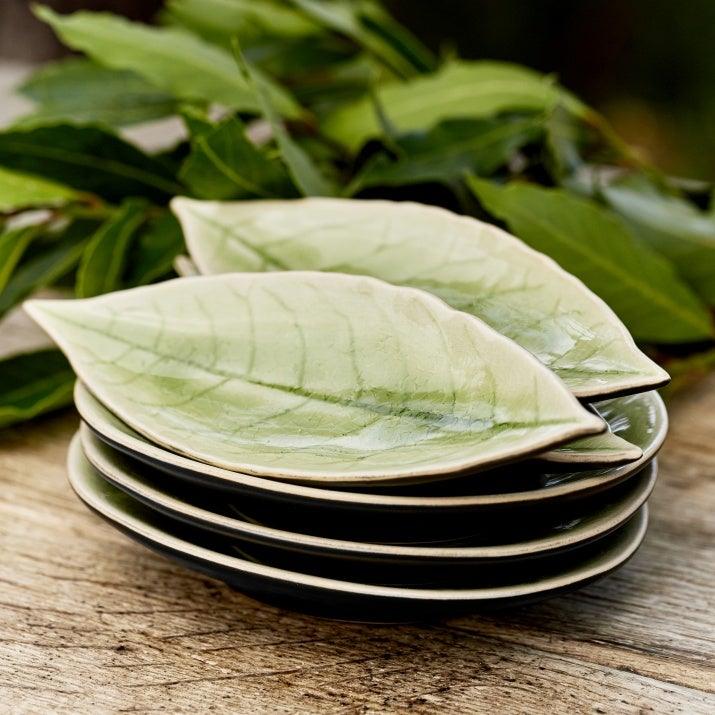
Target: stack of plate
<point x="517" y="534"/>
<point x="345" y="446"/>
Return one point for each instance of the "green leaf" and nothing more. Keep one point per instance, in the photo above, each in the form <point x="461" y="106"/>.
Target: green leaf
<point x="688" y="370"/>
<point x="13" y="243"/>
<point x="47" y="264"/>
<point x="334" y="83"/>
<point x="79" y="90"/>
<point x="224" y="164"/>
<point x="564" y="140"/>
<point x="171" y="59"/>
<point x="154" y="250"/>
<point x="449" y="151"/>
<point x="105" y="256"/>
<point x="21" y="191"/>
<point x="196" y="121"/>
<point x="473" y="266"/>
<point x="236" y="371"/>
<point x="373" y="29"/>
<point x="596" y="247"/>
<point x="305" y="174"/>
<point x="87" y="158"/>
<point x="382" y="26"/>
<point x="672" y="226"/>
<point x="220" y="20"/>
<point x="459" y="90"/>
<point x="33" y="384"/>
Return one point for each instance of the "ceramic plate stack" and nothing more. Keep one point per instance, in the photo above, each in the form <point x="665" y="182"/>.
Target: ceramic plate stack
<point x="355" y="449"/>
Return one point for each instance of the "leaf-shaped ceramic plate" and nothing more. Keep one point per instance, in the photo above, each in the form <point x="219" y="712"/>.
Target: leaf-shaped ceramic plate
<point x="313" y="376"/>
<point x="539" y="538"/>
<point x="606" y="449"/>
<point x="642" y="420"/>
<point x="326" y="596"/>
<point x="473" y="266"/>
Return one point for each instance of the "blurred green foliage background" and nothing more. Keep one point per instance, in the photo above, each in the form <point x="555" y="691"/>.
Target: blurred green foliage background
<point x="648" y="65"/>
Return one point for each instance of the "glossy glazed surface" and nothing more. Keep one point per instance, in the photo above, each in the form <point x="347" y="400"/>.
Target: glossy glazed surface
<point x="642" y="419"/>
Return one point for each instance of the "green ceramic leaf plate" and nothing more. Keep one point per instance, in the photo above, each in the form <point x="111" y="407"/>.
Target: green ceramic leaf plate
<point x="473" y="266"/>
<point x="329" y="596"/>
<point x="601" y="449"/>
<point x="314" y="376"/>
<point x="641" y="419"/>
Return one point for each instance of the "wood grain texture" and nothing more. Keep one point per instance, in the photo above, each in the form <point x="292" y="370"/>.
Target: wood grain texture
<point x="91" y="622"/>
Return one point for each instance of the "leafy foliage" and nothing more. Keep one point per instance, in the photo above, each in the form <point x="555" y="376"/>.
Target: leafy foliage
<point x="79" y="90"/>
<point x="32" y="384"/>
<point x="88" y="158"/>
<point x="459" y="89"/>
<point x="332" y="98"/>
<point x="593" y="245"/>
<point x="173" y="60"/>
<point x="224" y="164"/>
<point x="22" y="191"/>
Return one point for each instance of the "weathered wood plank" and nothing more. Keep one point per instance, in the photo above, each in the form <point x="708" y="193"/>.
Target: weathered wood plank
<point x="91" y="621"/>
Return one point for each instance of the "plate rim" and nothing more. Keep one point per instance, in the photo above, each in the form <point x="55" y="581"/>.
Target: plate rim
<point x="205" y="519"/>
<point x="226" y="478"/>
<point x="604" y="564"/>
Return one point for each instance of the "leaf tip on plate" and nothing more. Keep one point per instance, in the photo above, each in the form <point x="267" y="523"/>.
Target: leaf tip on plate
<point x="51" y="314"/>
<point x="661" y="376"/>
<point x="184" y="209"/>
<point x="35" y="308"/>
<point x="634" y="452"/>
<point x="593" y="424"/>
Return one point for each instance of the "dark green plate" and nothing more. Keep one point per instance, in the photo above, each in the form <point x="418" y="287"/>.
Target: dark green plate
<point x="498" y="542"/>
<point x="332" y="597"/>
<point x="641" y="419"/>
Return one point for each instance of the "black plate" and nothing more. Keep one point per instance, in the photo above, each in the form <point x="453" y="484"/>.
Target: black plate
<point x="331" y="597"/>
<point x="518" y="486"/>
<point x="411" y="546"/>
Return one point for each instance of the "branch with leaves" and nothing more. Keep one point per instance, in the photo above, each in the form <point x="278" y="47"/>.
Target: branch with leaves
<point x="332" y="98"/>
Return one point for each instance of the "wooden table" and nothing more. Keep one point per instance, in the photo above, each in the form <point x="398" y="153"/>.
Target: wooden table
<point x="91" y="622"/>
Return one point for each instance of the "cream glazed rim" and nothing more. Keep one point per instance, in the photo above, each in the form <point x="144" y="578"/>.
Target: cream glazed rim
<point x="81" y="475"/>
<point x="598" y="525"/>
<point x="101" y="420"/>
